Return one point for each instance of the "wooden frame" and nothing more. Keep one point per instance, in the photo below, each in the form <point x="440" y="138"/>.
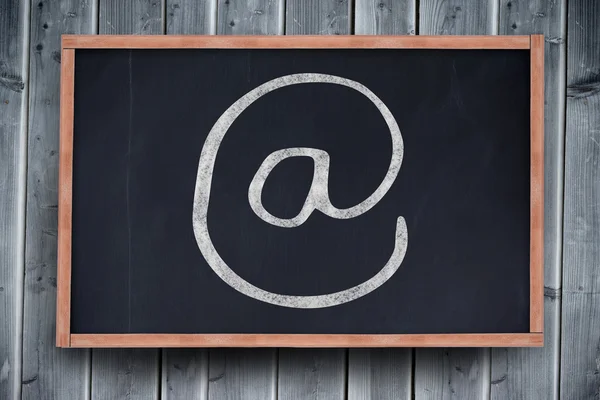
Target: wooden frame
<point x="535" y="337"/>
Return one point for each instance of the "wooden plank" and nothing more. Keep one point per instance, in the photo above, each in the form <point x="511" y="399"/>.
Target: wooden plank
<point x="238" y="373"/>
<point x="65" y="197"/>
<point x="528" y="373"/>
<point x="452" y="373"/>
<point x="536" y="223"/>
<point x="127" y="373"/>
<point x="191" y="17"/>
<point x="318" y="17"/>
<point x="14" y="43"/>
<point x="242" y="374"/>
<point x="257" y="17"/>
<point x="185" y="371"/>
<point x="130" y="17"/>
<point x="312" y="374"/>
<point x="297" y="42"/>
<point x="385" y="17"/>
<point x="306" y="340"/>
<point x="318" y="373"/>
<point x="380" y="374"/>
<point x="456" y="373"/>
<point x="580" y="355"/>
<point x="185" y="374"/>
<point x="48" y="372"/>
<point x="458" y="17"/>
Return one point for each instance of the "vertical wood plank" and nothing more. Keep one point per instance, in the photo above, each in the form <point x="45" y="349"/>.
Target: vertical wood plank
<point x="127" y="373"/>
<point x="191" y="17"/>
<point x="454" y="373"/>
<point x="139" y="17"/>
<point x="254" y="17"/>
<point x="382" y="373"/>
<point x="533" y="373"/>
<point x="14" y="45"/>
<point x="185" y="371"/>
<point x="458" y="17"/>
<point x="385" y="17"/>
<point x="185" y="374"/>
<point x="318" y="17"/>
<point x="314" y="373"/>
<point x="580" y="336"/>
<point x="245" y="373"/>
<point x="48" y="372"/>
<point x="242" y="374"/>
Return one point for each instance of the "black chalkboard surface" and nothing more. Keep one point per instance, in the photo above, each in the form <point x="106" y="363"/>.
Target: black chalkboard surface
<point x="348" y="191"/>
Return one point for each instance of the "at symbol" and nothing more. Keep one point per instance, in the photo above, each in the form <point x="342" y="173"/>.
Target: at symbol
<point x="317" y="197"/>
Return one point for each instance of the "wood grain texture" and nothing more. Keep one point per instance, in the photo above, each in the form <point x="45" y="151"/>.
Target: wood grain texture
<point x="536" y="218"/>
<point x="580" y="336"/>
<point x="14" y="45"/>
<point x="48" y="372"/>
<point x="184" y="374"/>
<point x="455" y="373"/>
<point x="65" y="197"/>
<point x="318" y="17"/>
<point x="458" y="17"/>
<point x="295" y="42"/>
<point x="380" y="374"/>
<point x="254" y="17"/>
<point x="127" y="373"/>
<point x="124" y="374"/>
<point x="312" y="374"/>
<point x="130" y="17"/>
<point x="191" y="17"/>
<point x="452" y="374"/>
<point x="528" y="373"/>
<point x="236" y="374"/>
<point x="385" y="17"/>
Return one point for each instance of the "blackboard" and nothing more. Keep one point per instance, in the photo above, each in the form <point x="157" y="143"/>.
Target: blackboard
<point x="284" y="190"/>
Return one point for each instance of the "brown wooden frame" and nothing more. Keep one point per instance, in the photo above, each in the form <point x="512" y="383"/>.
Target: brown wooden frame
<point x="535" y="337"/>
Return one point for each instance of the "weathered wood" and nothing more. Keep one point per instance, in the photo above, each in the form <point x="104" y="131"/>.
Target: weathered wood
<point x="312" y="374"/>
<point x="127" y="373"/>
<point x="452" y="373"/>
<point x="191" y="17"/>
<point x="533" y="373"/>
<point x="385" y="17"/>
<point x="456" y="373"/>
<point x="139" y="17"/>
<point x="458" y="17"/>
<point x="242" y="374"/>
<point x="380" y="374"/>
<point x="184" y="374"/>
<point x="14" y="45"/>
<point x="256" y="17"/>
<point x="185" y="371"/>
<point x="580" y="355"/>
<point x="318" y="17"/>
<point x="530" y="373"/>
<point x="48" y="372"/>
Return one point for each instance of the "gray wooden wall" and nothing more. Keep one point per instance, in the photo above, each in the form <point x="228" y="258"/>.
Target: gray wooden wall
<point x="568" y="367"/>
